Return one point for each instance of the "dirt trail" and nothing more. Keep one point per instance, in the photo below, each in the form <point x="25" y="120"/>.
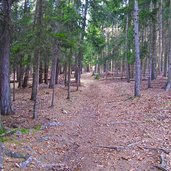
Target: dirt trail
<point x="102" y="113"/>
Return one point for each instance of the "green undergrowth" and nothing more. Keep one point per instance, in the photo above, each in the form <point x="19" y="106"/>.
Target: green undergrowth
<point x="5" y="134"/>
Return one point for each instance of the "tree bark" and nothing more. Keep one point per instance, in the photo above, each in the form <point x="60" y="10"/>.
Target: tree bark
<point x="137" y="51"/>
<point x="69" y="74"/>
<point x="53" y="68"/>
<point x="46" y="66"/>
<point x="154" y="49"/>
<point x="126" y="51"/>
<point x="38" y="23"/>
<point x="57" y="71"/>
<point x="168" y="85"/>
<point x="26" y="77"/>
<point x="41" y="73"/>
<point x="21" y="74"/>
<point x="150" y="57"/>
<point x="5" y="95"/>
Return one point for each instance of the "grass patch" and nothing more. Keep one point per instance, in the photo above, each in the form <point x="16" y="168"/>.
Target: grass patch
<point x="5" y="134"/>
<point x="24" y="130"/>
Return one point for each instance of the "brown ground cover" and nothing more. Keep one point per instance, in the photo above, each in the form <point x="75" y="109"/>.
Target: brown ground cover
<point x="102" y="128"/>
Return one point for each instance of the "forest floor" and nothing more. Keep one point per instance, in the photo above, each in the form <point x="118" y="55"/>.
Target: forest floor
<point x="102" y="128"/>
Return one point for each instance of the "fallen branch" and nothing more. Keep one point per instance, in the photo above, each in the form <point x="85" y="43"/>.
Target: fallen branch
<point x="156" y="149"/>
<point x="26" y="163"/>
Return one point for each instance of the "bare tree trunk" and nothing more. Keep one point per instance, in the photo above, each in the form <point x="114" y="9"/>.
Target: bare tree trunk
<point x="37" y="53"/>
<point x="53" y="96"/>
<point x="41" y="73"/>
<point x="168" y="85"/>
<point x="69" y="75"/>
<point x="160" y="36"/>
<point x="46" y="72"/>
<point x="5" y="95"/>
<point x="126" y="51"/>
<point x="35" y="74"/>
<point x="21" y="73"/>
<point x="14" y="84"/>
<point x="26" y="77"/>
<point x="150" y="57"/>
<point x="137" y="51"/>
<point x="154" y="50"/>
<point x="165" y="64"/>
<point x="65" y="74"/>
<point x="80" y="56"/>
<point x="53" y="68"/>
<point x="57" y="71"/>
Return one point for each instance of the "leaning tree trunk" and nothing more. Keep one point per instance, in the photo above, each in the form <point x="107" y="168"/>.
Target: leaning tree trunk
<point x="168" y="85"/>
<point x="137" y="51"/>
<point x="5" y="100"/>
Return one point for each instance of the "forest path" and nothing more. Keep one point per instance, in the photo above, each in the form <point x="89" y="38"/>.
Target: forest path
<point x="103" y="113"/>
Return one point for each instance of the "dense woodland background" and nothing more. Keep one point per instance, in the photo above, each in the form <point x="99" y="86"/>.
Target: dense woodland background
<point x="85" y="85"/>
<point x="39" y="40"/>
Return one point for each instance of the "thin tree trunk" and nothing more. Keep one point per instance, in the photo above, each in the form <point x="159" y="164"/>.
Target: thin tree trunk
<point x="57" y="71"/>
<point x="14" y="84"/>
<point x="37" y="53"/>
<point x="126" y="52"/>
<point x="46" y="72"/>
<point x="137" y="51"/>
<point x="65" y="74"/>
<point x="150" y="57"/>
<point x="41" y="73"/>
<point x="53" y="96"/>
<point x="80" y="57"/>
<point x="53" y="68"/>
<point x="69" y="75"/>
<point x="168" y="85"/>
<point x="160" y="36"/>
<point x="35" y="74"/>
<point x="21" y="73"/>
<point x="154" y="50"/>
<point x="165" y="64"/>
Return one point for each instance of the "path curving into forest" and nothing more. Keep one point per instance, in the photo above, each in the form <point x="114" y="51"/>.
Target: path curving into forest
<point x="104" y="128"/>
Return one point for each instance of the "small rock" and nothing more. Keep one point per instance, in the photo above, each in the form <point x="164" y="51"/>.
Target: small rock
<point x="51" y="124"/>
